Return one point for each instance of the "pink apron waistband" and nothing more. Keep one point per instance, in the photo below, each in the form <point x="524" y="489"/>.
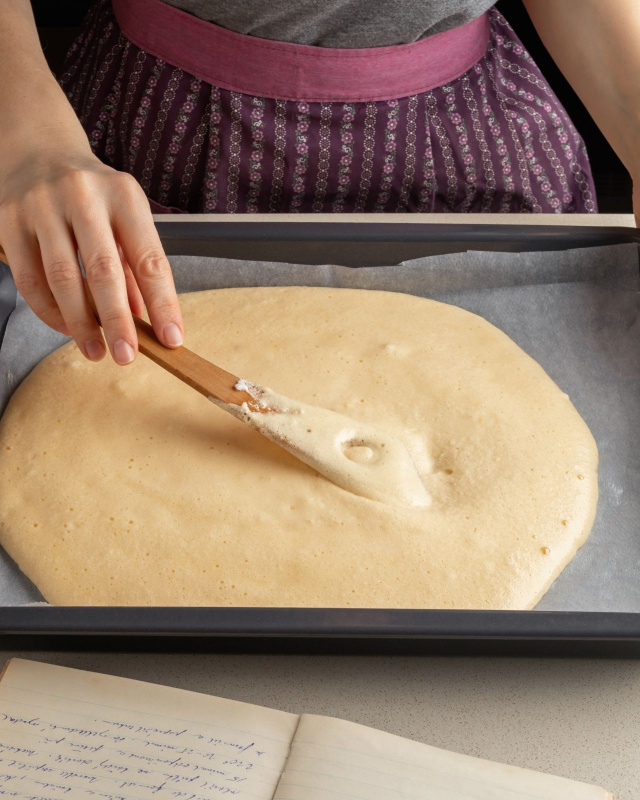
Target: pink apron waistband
<point x="285" y="71"/>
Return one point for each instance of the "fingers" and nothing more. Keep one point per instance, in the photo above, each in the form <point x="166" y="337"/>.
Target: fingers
<point x="136" y="303"/>
<point x="55" y="245"/>
<point x="106" y="279"/>
<point x="62" y="271"/>
<point x="23" y="255"/>
<point x="105" y="215"/>
<point x="137" y="235"/>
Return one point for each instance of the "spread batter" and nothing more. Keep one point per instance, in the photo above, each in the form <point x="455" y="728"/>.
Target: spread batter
<point x="359" y="457"/>
<point x="125" y="486"/>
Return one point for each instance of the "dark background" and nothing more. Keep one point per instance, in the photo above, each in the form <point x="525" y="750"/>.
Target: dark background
<point x="58" y="24"/>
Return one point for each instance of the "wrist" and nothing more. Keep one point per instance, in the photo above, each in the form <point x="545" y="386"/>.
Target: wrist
<point x="48" y="126"/>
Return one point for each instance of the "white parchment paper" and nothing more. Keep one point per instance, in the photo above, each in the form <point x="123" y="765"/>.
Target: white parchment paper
<point x="575" y="311"/>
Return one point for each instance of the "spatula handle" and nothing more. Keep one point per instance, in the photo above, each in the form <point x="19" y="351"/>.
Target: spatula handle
<point x="200" y="374"/>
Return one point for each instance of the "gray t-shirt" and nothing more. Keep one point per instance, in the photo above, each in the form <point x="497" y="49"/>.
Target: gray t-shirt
<point x="337" y="23"/>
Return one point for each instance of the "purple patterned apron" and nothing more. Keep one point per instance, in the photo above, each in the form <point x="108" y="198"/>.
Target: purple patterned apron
<point x="209" y="120"/>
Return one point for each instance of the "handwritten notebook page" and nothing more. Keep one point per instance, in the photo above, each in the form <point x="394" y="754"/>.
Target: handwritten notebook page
<point x="332" y="759"/>
<point x="69" y="733"/>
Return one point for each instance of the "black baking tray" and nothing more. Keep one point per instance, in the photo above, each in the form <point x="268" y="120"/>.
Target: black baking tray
<point x="316" y="630"/>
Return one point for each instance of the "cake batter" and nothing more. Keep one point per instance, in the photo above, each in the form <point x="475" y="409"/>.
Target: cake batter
<point x="128" y="487"/>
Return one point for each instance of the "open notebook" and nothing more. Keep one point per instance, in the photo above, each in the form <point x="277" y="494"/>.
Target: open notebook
<point x="74" y="734"/>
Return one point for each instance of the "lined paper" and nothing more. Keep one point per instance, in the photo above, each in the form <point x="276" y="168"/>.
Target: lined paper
<point x="75" y="734"/>
<point x="332" y="759"/>
<point x="69" y="733"/>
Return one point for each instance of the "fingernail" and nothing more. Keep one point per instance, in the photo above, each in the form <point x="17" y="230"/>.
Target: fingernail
<point x="123" y="352"/>
<point x="95" y="350"/>
<point x="172" y="334"/>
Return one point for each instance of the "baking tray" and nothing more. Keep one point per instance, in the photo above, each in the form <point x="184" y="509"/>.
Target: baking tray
<point x="601" y="634"/>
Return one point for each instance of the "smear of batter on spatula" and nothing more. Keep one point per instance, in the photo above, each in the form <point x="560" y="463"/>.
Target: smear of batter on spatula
<point x="352" y="454"/>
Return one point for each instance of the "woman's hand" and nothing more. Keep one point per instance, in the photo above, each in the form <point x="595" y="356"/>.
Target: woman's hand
<point x="58" y="198"/>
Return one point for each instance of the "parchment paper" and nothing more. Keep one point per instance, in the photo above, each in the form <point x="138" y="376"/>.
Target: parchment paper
<point x="574" y="311"/>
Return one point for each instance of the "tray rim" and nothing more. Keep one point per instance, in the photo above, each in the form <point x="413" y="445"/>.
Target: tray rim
<point x="256" y="230"/>
<point x="290" y="622"/>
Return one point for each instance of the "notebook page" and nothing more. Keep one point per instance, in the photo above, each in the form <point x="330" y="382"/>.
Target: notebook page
<point x="74" y="734"/>
<point x="333" y="759"/>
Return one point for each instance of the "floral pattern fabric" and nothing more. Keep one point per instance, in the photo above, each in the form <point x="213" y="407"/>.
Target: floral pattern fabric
<point x="496" y="139"/>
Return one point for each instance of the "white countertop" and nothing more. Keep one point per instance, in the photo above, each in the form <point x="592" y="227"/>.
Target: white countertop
<point x="578" y="718"/>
